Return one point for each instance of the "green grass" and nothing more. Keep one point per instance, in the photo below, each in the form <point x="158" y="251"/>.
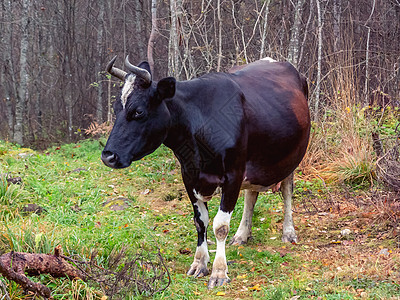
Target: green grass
<point x="71" y="184"/>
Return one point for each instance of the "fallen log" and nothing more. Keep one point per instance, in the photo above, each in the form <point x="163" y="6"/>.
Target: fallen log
<point x="14" y="265"/>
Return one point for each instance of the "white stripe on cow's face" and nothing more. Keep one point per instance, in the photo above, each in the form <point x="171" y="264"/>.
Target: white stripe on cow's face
<point x="127" y="88"/>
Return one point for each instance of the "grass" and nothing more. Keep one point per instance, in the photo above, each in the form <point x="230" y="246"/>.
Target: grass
<point x="72" y="185"/>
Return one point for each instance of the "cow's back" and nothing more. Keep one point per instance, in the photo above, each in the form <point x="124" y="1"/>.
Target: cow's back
<point x="278" y="120"/>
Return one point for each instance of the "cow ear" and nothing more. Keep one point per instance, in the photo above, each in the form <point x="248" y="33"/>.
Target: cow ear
<point x="166" y="88"/>
<point x="145" y="65"/>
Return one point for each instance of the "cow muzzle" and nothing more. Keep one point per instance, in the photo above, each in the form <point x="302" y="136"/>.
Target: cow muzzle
<point x="110" y="159"/>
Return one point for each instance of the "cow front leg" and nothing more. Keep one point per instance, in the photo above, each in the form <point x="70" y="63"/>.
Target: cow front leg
<point x="244" y="231"/>
<point x="219" y="274"/>
<point x="201" y="257"/>
<point x="289" y="234"/>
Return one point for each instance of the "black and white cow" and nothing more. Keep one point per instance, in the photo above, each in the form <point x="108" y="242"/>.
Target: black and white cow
<point x="248" y="129"/>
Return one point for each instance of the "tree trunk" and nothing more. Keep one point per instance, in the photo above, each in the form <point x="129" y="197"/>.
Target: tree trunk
<point x="8" y="70"/>
<point x="319" y="62"/>
<point x="264" y="31"/>
<point x="173" y="47"/>
<point x="124" y="25"/>
<point x="98" y="68"/>
<point x="153" y="35"/>
<point x="20" y="105"/>
<point x="306" y="30"/>
<point x="337" y="10"/>
<point x="188" y="64"/>
<point x="69" y="22"/>
<point x="68" y="93"/>
<point x="39" y="21"/>
<point x="366" y="101"/>
<point x="294" y="43"/>
<point x="109" y="81"/>
<point x="139" y="30"/>
<point x="219" y="35"/>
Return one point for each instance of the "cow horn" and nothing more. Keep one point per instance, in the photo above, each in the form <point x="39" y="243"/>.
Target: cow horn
<point x="120" y="74"/>
<point x="142" y="73"/>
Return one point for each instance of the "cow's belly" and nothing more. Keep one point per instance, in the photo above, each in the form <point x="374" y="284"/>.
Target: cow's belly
<point x="246" y="185"/>
<point x="264" y="171"/>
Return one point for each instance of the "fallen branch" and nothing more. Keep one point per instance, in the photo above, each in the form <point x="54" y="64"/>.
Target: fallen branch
<point x="13" y="266"/>
<point x="142" y="273"/>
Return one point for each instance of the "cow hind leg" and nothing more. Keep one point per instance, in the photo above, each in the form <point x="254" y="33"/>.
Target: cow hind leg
<point x="244" y="231"/>
<point x="289" y="234"/>
<point x="201" y="257"/>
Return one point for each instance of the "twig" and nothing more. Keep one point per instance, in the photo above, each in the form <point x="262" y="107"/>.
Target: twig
<point x="4" y="291"/>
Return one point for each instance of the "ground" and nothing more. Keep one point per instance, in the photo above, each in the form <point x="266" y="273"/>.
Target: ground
<point x="348" y="239"/>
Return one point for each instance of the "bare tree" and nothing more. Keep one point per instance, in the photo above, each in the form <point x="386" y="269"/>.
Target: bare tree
<point x="294" y="43"/>
<point x="9" y="86"/>
<point x="219" y="19"/>
<point x="98" y="67"/>
<point x="153" y="35"/>
<point x="337" y="8"/>
<point x="265" y="26"/>
<point x="367" y="53"/>
<point x="139" y="27"/>
<point x="22" y="98"/>
<point x="173" y="49"/>
<point x="319" y="61"/>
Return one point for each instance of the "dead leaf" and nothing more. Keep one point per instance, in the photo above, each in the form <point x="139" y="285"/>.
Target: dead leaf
<point x="255" y="288"/>
<point x="185" y="251"/>
<point x="220" y="294"/>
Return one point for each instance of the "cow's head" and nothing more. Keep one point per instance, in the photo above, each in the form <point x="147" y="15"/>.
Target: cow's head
<point x="142" y="117"/>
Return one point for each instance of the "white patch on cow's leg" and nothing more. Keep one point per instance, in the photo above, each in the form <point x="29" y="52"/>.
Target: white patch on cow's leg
<point x="219" y="274"/>
<point x="244" y="231"/>
<point x="289" y="234"/>
<point x="127" y="89"/>
<point x="201" y="257"/>
<point x="198" y="195"/>
<point x="269" y="59"/>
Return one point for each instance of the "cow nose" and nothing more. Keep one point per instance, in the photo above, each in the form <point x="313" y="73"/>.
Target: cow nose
<point x="109" y="159"/>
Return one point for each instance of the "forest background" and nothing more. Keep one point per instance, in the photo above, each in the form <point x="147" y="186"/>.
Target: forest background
<point x="53" y="54"/>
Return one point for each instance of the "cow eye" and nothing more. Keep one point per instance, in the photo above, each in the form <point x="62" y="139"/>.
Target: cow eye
<point x="135" y="114"/>
<point x="138" y="114"/>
